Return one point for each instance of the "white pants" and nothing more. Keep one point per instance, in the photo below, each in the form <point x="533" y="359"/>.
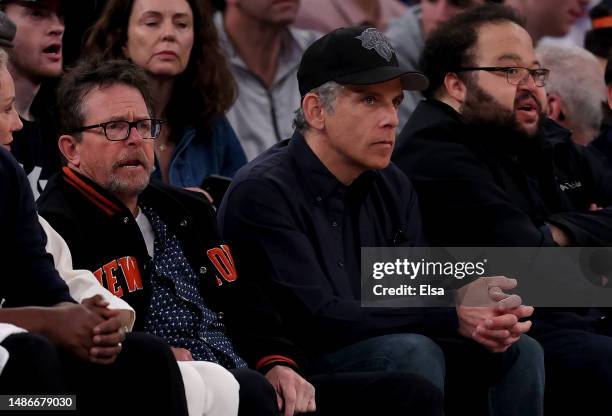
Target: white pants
<point x="210" y="389"/>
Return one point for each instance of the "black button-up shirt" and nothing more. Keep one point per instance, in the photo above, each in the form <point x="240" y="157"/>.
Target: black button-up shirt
<point x="297" y="232"/>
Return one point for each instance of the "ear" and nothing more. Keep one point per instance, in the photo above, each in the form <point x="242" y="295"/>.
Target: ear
<point x="455" y="88"/>
<point x="69" y="147"/>
<point x="556" y="110"/>
<point x="313" y="111"/>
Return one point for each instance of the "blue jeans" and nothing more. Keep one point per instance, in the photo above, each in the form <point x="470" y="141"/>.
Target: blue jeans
<point x="517" y="390"/>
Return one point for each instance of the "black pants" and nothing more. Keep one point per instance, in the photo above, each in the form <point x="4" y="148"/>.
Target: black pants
<point x="370" y="393"/>
<point x="376" y="393"/>
<point x="144" y="380"/>
<point x="578" y="372"/>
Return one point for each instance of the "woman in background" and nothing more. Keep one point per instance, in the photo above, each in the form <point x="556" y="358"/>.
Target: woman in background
<point x="175" y="41"/>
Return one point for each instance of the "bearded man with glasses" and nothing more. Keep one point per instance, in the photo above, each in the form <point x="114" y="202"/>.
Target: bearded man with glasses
<point x="491" y="169"/>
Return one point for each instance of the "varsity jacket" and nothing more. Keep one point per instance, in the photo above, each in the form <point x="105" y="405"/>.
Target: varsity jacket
<point x="104" y="237"/>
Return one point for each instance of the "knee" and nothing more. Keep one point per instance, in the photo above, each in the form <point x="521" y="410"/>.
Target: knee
<point x="257" y="396"/>
<point x="33" y="366"/>
<point x="209" y="388"/>
<point x="405" y="351"/>
<point x="530" y="353"/>
<point x="32" y="350"/>
<point x="142" y="347"/>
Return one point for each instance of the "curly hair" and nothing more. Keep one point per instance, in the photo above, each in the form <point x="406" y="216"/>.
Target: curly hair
<point x="204" y="91"/>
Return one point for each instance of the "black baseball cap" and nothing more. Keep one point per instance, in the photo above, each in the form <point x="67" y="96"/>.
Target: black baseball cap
<point x="354" y="55"/>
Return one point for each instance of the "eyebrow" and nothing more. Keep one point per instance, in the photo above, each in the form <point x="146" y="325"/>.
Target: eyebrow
<point x="515" y="57"/>
<point x="155" y="13"/>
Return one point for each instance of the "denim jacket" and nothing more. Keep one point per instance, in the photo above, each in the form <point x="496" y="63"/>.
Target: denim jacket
<point x="197" y="155"/>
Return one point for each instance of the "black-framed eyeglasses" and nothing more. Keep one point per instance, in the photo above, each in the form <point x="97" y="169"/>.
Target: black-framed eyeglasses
<point x="516" y="75"/>
<point x="118" y="130"/>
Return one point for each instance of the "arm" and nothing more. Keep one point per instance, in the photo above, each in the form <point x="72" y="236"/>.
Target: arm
<point x="22" y="245"/>
<point x="233" y="154"/>
<point x="82" y="283"/>
<point x="462" y="203"/>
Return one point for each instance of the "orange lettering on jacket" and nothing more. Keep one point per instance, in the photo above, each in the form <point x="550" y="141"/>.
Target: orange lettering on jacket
<point x="221" y="258"/>
<point x="131" y="272"/>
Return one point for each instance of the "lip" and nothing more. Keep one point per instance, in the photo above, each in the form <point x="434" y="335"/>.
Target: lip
<point x="167" y="54"/>
<point x="386" y="143"/>
<point x="56" y="54"/>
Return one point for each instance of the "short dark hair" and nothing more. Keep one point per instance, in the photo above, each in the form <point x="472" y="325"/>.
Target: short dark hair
<point x="89" y="74"/>
<point x="449" y="47"/>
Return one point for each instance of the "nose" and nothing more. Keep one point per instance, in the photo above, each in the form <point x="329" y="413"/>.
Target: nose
<point x="134" y="138"/>
<point x="391" y="119"/>
<point x="57" y="25"/>
<point x="16" y="123"/>
<point x="528" y="82"/>
<point x="168" y="31"/>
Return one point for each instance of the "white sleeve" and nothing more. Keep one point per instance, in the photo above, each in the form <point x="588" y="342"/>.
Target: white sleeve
<point x="81" y="283"/>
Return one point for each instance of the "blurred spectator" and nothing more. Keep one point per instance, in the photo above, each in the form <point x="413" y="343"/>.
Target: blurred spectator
<point x="175" y="41"/>
<point x="598" y="40"/>
<point x="549" y="17"/>
<point x="264" y="53"/>
<point x="35" y="63"/>
<point x="408" y="33"/>
<point x="575" y="90"/>
<point x="603" y="142"/>
<point x="326" y="15"/>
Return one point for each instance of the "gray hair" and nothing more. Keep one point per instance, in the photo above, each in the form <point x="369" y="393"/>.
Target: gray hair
<point x="3" y="58"/>
<point x="577" y="77"/>
<point x="327" y="93"/>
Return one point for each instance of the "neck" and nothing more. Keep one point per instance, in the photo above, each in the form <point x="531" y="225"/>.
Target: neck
<point x="450" y="102"/>
<point x="257" y="43"/>
<point x="131" y="202"/>
<point x="161" y="91"/>
<point x="25" y="92"/>
<point x="342" y="168"/>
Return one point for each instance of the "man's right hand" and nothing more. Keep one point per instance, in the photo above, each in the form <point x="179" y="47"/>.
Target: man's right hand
<point x="293" y="393"/>
<point x="71" y="327"/>
<point x="490" y="316"/>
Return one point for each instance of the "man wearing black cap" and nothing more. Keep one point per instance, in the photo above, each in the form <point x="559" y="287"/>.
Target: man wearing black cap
<point x="297" y="216"/>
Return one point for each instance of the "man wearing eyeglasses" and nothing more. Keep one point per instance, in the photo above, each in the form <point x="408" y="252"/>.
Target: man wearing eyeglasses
<point x="491" y="169"/>
<point x="151" y="245"/>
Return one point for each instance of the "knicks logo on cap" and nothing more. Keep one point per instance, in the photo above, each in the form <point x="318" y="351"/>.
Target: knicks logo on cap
<point x="371" y="38"/>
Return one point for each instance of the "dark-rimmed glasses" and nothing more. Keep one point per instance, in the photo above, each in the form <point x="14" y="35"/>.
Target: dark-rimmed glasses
<point x="118" y="130"/>
<point x="516" y="75"/>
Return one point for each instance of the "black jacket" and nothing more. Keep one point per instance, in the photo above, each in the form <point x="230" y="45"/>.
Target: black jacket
<point x="479" y="186"/>
<point x="28" y="275"/>
<point x="104" y="237"/>
<point x="297" y="233"/>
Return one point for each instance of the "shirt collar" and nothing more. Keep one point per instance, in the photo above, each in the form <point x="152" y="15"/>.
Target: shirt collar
<point x="318" y="178"/>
